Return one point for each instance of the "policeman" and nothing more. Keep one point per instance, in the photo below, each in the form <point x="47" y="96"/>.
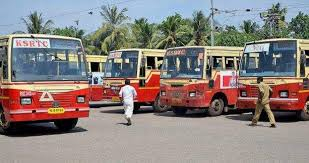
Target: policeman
<point x="263" y="103"/>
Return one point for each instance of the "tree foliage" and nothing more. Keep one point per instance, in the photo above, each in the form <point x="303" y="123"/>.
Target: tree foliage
<point x="300" y="26"/>
<point x="35" y="24"/>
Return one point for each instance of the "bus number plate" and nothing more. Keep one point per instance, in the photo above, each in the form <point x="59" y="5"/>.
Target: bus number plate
<point x="115" y="99"/>
<point x="56" y="111"/>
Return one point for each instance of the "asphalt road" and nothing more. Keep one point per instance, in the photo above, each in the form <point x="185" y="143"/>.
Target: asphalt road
<point x="160" y="138"/>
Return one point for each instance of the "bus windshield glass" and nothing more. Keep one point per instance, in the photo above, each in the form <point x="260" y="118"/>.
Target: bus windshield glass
<point x="122" y="64"/>
<point x="183" y="63"/>
<point x="47" y="59"/>
<point x="272" y="59"/>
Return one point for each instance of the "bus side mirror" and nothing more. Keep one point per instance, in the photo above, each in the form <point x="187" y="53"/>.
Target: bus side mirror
<point x="142" y="83"/>
<point x="211" y="83"/>
<point x="306" y="83"/>
<point x="303" y="64"/>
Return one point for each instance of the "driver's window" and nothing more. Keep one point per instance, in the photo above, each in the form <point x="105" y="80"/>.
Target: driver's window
<point x="217" y="63"/>
<point x="4" y="61"/>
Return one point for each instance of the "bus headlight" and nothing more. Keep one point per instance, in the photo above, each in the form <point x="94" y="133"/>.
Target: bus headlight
<point x="284" y="94"/>
<point x="25" y="101"/>
<point x="163" y="93"/>
<point x="80" y="99"/>
<point x="243" y="93"/>
<point x="192" y="94"/>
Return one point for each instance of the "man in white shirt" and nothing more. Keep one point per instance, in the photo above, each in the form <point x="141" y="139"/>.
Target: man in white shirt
<point x="128" y="94"/>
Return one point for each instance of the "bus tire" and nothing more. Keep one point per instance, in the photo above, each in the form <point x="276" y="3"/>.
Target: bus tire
<point x="216" y="107"/>
<point x="157" y="107"/>
<point x="66" y="124"/>
<point x="179" y="111"/>
<point x="303" y="115"/>
<point x="5" y="126"/>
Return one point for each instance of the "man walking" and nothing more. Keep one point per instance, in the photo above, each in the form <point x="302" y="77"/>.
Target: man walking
<point x="127" y="94"/>
<point x="263" y="103"/>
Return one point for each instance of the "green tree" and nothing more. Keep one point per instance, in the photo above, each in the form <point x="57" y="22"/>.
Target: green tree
<point x="144" y="33"/>
<point x="231" y="37"/>
<point x="35" y="24"/>
<point x="112" y="35"/>
<point x="174" y="31"/>
<point x="275" y="25"/>
<point x="249" y="27"/>
<point x="300" y="26"/>
<point x="70" y="32"/>
<point x="201" y="29"/>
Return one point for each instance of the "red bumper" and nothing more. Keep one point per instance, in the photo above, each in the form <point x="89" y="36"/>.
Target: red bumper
<point x="42" y="114"/>
<point x="193" y="102"/>
<point x="288" y="104"/>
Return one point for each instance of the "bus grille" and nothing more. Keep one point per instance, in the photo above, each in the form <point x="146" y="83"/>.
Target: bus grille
<point x="254" y="92"/>
<point x="64" y="100"/>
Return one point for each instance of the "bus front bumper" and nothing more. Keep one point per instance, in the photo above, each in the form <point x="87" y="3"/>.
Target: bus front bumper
<point x="42" y="114"/>
<point x="193" y="102"/>
<point x="280" y="104"/>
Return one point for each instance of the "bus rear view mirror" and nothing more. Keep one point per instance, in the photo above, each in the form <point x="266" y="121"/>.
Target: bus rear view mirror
<point x="211" y="83"/>
<point x="306" y="83"/>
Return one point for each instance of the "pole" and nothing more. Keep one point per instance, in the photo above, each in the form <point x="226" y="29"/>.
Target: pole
<point x="212" y="24"/>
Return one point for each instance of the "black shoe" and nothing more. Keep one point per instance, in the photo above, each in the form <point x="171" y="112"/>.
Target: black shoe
<point x="129" y="122"/>
<point x="272" y="126"/>
<point x="252" y="124"/>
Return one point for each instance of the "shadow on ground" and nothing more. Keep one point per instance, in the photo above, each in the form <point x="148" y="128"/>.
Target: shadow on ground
<point x="279" y="116"/>
<point x="189" y="114"/>
<point x="103" y="105"/>
<point x="143" y="110"/>
<point x="40" y="129"/>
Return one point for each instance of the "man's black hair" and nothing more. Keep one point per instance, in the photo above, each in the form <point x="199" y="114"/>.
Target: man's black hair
<point x="260" y="79"/>
<point x="127" y="82"/>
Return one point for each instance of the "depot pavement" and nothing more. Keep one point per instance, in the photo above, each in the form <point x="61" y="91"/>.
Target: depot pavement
<point x="160" y="137"/>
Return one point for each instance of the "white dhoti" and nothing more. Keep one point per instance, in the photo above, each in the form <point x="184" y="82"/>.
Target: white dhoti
<point x="128" y="109"/>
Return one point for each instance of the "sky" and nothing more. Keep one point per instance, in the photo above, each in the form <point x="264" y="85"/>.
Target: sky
<point x="66" y="12"/>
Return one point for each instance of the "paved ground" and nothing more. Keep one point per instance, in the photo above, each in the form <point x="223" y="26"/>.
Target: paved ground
<point x="160" y="138"/>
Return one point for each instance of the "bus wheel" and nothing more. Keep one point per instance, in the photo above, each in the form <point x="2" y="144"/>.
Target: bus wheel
<point x="303" y="115"/>
<point x="157" y="107"/>
<point x="179" y="111"/>
<point x="6" y="127"/>
<point x="66" y="124"/>
<point x="216" y="107"/>
<point x="136" y="108"/>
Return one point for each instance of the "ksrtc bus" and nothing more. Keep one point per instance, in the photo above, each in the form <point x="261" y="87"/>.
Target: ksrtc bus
<point x="43" y="78"/>
<point x="284" y="65"/>
<point x="141" y="67"/>
<point x="200" y="78"/>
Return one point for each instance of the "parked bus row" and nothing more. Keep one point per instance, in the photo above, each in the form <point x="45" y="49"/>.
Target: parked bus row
<point x="45" y="78"/>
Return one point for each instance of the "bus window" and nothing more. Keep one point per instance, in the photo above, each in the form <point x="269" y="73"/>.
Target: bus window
<point x="95" y="66"/>
<point x="159" y="62"/>
<point x="151" y="64"/>
<point x="217" y="63"/>
<point x="4" y="61"/>
<point x="229" y="63"/>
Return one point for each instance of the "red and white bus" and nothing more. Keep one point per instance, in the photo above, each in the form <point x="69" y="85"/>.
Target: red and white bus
<point x="43" y="78"/>
<point x="283" y="63"/>
<point x="141" y="67"/>
<point x="200" y="78"/>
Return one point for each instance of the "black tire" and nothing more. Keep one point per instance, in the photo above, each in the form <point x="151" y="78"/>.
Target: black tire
<point x="216" y="107"/>
<point x="303" y="115"/>
<point x="66" y="124"/>
<point x="6" y="127"/>
<point x="179" y="111"/>
<point x="159" y="108"/>
<point x="137" y="107"/>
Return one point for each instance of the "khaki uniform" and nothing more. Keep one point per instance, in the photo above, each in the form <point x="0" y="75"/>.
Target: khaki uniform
<point x="263" y="103"/>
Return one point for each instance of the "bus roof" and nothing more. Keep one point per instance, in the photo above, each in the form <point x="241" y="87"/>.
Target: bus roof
<point x="139" y="49"/>
<point x="278" y="39"/>
<point x="211" y="47"/>
<point x="38" y="36"/>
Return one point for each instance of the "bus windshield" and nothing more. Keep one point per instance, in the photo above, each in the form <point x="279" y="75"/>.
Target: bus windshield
<point x="38" y="59"/>
<point x="183" y="63"/>
<point x="276" y="58"/>
<point x="122" y="64"/>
